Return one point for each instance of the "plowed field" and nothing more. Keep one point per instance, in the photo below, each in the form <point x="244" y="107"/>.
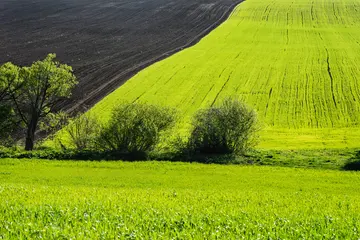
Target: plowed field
<point x="106" y="41"/>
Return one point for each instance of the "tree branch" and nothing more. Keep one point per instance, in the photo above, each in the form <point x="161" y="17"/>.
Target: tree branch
<point x="19" y="110"/>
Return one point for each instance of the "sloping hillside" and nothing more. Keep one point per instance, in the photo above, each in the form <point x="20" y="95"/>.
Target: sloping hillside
<point x="106" y="41"/>
<point x="295" y="62"/>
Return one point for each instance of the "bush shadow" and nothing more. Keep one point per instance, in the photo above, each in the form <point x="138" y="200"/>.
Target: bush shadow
<point x="83" y="155"/>
<point x="353" y="164"/>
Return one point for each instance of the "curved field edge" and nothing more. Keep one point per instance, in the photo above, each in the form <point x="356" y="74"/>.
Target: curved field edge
<point x="105" y="89"/>
<point x="72" y="199"/>
<point x="106" y="41"/>
<point x="295" y="63"/>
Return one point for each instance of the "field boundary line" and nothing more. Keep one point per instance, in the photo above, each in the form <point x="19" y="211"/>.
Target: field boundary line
<point x="95" y="96"/>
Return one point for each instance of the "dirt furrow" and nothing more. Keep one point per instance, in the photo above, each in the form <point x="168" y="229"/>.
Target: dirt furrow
<point x="107" y="41"/>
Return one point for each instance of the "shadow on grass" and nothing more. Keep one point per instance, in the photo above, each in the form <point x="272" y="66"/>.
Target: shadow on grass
<point x="89" y="155"/>
<point x="199" y="158"/>
<point x="353" y="164"/>
<point x="325" y="159"/>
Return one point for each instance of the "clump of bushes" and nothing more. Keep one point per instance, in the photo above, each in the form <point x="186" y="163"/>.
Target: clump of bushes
<point x="218" y="134"/>
<point x="135" y="128"/>
<point x="225" y="129"/>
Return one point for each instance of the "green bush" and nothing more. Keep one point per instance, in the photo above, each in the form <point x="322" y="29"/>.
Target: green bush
<point x="226" y="129"/>
<point x="135" y="128"/>
<point x="83" y="131"/>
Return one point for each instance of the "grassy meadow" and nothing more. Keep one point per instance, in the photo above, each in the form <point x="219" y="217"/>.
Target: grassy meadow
<point x="295" y="62"/>
<point x="162" y="200"/>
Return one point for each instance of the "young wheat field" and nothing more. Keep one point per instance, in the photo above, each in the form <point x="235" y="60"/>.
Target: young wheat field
<point x="162" y="200"/>
<point x="295" y="62"/>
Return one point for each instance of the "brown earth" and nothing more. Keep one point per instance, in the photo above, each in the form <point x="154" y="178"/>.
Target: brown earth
<point x="105" y="41"/>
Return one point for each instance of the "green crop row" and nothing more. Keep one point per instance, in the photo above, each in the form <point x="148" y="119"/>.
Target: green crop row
<point x="296" y="63"/>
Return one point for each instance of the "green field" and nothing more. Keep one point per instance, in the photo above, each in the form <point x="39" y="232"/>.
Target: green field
<point x="295" y="62"/>
<point x="109" y="200"/>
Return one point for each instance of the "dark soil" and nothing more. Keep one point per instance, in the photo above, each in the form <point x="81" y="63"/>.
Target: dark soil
<point x="106" y="41"/>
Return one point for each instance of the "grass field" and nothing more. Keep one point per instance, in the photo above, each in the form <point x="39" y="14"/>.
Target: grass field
<point x="107" y="200"/>
<point x="295" y="62"/>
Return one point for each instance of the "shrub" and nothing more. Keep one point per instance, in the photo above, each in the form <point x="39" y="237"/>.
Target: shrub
<point x="135" y="128"/>
<point x="226" y="129"/>
<point x="83" y="131"/>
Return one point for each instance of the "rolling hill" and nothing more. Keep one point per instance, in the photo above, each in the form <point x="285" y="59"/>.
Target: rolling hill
<point x="295" y="62"/>
<point x="107" y="41"/>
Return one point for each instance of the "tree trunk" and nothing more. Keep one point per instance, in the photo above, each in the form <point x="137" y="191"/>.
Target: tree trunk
<point x="30" y="135"/>
<point x="29" y="144"/>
